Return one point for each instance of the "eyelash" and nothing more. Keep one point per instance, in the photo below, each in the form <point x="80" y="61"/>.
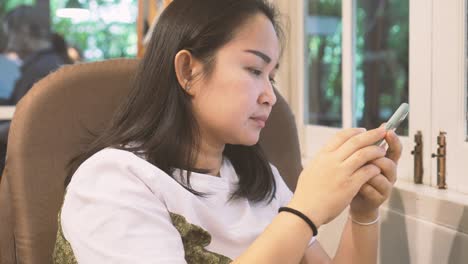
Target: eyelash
<point x="258" y="73"/>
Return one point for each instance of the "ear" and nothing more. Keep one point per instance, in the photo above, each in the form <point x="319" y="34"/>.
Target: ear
<point x="184" y="63"/>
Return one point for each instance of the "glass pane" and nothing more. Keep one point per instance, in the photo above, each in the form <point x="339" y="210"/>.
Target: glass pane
<point x="323" y="63"/>
<point x="382" y="44"/>
<point x="106" y="30"/>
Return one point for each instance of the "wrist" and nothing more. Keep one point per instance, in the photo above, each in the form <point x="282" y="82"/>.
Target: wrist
<point x="313" y="215"/>
<point x="364" y="217"/>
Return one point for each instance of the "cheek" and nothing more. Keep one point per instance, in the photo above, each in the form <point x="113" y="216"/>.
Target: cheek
<point x="228" y="107"/>
<point x="225" y="103"/>
<point x="225" y="112"/>
<point x="232" y="94"/>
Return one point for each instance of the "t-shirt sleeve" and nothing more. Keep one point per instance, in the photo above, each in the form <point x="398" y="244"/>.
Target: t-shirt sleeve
<point x="111" y="216"/>
<point x="283" y="193"/>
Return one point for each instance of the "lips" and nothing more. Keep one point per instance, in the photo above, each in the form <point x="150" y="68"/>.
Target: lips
<point x="260" y="120"/>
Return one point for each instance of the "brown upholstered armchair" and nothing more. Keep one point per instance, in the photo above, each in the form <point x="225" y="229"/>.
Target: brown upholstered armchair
<point x="51" y="125"/>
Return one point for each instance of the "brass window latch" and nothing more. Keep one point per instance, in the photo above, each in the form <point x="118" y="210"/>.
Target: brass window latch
<point x="441" y="160"/>
<point x="418" y="158"/>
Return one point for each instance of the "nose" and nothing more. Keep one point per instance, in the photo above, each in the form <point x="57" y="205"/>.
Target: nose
<point x="268" y="96"/>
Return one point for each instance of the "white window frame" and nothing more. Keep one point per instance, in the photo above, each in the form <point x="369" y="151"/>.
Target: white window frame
<point x="449" y="89"/>
<point x="292" y="80"/>
<point x="422" y="22"/>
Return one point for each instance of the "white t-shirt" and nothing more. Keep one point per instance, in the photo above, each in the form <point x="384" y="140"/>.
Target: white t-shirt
<point x="119" y="208"/>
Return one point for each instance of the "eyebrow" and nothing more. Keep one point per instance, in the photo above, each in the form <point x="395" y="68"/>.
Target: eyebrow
<point x="263" y="56"/>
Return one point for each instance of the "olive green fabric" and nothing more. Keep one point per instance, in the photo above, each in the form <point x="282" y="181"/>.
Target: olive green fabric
<point x="194" y="238"/>
<point x="63" y="252"/>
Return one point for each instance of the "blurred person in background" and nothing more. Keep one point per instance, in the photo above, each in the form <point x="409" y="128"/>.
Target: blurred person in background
<point x="9" y="69"/>
<point x="40" y="51"/>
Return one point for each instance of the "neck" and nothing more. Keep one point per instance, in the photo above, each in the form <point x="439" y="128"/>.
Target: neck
<point x="210" y="157"/>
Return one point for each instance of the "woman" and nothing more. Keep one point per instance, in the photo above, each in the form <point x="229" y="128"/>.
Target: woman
<point x="178" y="176"/>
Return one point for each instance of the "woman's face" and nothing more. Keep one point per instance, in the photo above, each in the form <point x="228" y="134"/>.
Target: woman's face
<point x="234" y="102"/>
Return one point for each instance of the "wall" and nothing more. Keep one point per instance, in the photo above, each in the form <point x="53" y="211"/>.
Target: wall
<point x="415" y="228"/>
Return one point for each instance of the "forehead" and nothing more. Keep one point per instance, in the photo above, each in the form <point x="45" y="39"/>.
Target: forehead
<point x="256" y="33"/>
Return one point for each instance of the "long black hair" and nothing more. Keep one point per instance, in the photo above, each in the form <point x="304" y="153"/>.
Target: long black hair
<point x="157" y="120"/>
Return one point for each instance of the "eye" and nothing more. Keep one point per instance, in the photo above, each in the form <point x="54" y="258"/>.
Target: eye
<point x="255" y="71"/>
<point x="258" y="73"/>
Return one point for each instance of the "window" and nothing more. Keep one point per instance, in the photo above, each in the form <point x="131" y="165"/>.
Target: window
<point x="381" y="62"/>
<point x="323" y="63"/>
<point x="362" y="58"/>
<point x="108" y="31"/>
<point x="379" y="43"/>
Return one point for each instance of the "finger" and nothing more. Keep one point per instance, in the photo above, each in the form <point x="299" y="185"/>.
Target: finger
<point x="363" y="175"/>
<point x="388" y="168"/>
<point x="362" y="156"/>
<point x="370" y="193"/>
<point x="360" y="141"/>
<point x="339" y="138"/>
<point x="394" y="146"/>
<point x="380" y="184"/>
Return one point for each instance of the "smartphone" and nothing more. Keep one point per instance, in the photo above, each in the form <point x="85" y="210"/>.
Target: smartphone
<point x="395" y="120"/>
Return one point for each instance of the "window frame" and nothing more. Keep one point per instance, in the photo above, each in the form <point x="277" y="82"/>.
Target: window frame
<point x="292" y="80"/>
<point x="448" y="102"/>
<point x="421" y="75"/>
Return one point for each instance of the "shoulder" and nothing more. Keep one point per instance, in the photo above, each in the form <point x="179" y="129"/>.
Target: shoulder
<point x="114" y="208"/>
<point x="115" y="167"/>
<point x="42" y="63"/>
<point x="112" y="157"/>
<point x="111" y="178"/>
<point x="117" y="158"/>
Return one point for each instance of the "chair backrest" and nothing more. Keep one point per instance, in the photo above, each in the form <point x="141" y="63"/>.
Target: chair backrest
<point x="52" y="124"/>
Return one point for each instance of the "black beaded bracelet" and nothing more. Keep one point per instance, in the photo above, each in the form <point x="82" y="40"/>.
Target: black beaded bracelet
<point x="301" y="215"/>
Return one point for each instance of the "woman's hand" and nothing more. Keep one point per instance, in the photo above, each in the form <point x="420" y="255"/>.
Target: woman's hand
<point x="373" y="193"/>
<point x="329" y="182"/>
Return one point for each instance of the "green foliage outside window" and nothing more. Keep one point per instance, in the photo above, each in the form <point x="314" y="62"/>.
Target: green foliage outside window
<point x="96" y="38"/>
<point x="381" y="62"/>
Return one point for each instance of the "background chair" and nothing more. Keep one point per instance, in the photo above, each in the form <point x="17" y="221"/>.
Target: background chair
<point x="52" y="124"/>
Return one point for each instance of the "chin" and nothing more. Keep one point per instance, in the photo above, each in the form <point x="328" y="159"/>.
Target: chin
<point x="250" y="141"/>
<point x="250" y="144"/>
<point x="246" y="139"/>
